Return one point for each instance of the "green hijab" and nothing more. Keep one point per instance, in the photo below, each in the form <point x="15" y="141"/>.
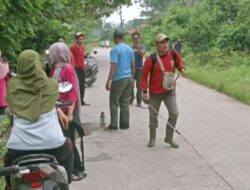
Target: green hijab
<point x="31" y="93"/>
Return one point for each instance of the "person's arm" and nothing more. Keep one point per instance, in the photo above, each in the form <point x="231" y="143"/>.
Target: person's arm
<point x="70" y="112"/>
<point x="145" y="75"/>
<point x="179" y="63"/>
<point x="140" y="50"/>
<point x="113" y="65"/>
<point x="111" y="74"/>
<point x="146" y="72"/>
<point x="63" y="119"/>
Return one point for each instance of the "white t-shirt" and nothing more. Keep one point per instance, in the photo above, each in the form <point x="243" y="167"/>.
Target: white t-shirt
<point x="46" y="133"/>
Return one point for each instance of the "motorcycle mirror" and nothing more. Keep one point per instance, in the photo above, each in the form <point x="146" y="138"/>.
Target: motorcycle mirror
<point x="65" y="87"/>
<point x="13" y="74"/>
<point x="95" y="52"/>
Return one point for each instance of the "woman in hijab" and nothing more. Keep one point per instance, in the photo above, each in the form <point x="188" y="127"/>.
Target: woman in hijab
<point x="63" y="71"/>
<point x="4" y="70"/>
<point x="31" y="97"/>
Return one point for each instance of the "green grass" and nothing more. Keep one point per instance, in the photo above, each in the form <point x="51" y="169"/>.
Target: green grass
<point x="2" y="152"/>
<point x="228" y="73"/>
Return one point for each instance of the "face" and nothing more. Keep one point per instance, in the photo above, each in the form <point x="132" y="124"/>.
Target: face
<point x="162" y="46"/>
<point x="80" y="40"/>
<point x="136" y="39"/>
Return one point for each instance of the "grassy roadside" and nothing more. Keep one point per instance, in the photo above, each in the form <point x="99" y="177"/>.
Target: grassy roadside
<point x="226" y="72"/>
<point x="2" y="152"/>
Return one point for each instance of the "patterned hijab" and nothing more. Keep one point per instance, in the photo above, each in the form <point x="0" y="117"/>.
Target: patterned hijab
<point x="60" y="56"/>
<point x="31" y="93"/>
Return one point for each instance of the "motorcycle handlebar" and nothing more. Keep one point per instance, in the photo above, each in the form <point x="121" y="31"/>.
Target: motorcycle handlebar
<point x="9" y="170"/>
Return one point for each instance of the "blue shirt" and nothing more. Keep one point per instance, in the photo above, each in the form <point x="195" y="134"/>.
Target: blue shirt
<point x="138" y="58"/>
<point x="123" y="56"/>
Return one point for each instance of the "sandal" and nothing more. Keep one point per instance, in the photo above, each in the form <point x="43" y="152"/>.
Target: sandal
<point x="79" y="176"/>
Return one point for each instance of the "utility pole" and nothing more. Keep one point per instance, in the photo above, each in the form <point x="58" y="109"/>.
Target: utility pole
<point x="121" y="18"/>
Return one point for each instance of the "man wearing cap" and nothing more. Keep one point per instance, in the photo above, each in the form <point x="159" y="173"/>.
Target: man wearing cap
<point x="78" y="53"/>
<point x="139" y="51"/>
<point x="177" y="45"/>
<point x="120" y="80"/>
<point x="155" y="93"/>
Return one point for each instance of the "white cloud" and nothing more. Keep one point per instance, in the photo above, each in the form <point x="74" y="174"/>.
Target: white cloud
<point x="128" y="13"/>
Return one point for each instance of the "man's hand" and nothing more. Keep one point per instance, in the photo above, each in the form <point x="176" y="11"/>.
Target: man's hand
<point x="62" y="119"/>
<point x="108" y="85"/>
<point x="183" y="72"/>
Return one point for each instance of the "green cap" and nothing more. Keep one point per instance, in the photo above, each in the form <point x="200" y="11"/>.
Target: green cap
<point x="118" y="34"/>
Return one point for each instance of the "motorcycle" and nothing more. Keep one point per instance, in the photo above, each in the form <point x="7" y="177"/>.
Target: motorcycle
<point x="37" y="171"/>
<point x="91" y="69"/>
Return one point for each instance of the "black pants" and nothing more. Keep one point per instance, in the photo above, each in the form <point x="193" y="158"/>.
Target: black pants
<point x="2" y="110"/>
<point x="81" y="78"/>
<point x="63" y="154"/>
<point x="70" y="133"/>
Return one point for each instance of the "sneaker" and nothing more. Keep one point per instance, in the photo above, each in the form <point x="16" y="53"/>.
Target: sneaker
<point x="79" y="176"/>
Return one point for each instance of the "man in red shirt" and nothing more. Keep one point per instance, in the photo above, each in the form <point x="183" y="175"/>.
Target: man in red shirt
<point x="78" y="53"/>
<point x="152" y="84"/>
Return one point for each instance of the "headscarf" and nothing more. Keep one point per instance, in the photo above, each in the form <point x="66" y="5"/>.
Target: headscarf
<point x="4" y="69"/>
<point x="60" y="56"/>
<point x="31" y="93"/>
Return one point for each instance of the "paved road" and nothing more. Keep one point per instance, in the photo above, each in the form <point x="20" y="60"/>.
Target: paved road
<point x="214" y="151"/>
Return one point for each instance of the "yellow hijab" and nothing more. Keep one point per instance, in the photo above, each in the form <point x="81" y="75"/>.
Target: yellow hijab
<point x="31" y="93"/>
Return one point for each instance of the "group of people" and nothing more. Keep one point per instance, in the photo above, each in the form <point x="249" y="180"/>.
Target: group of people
<point x="31" y="96"/>
<point x="126" y="67"/>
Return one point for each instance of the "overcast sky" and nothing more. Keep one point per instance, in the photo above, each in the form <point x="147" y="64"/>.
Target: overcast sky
<point x="128" y="13"/>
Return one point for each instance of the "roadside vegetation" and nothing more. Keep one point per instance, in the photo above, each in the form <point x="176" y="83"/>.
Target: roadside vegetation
<point x="215" y="37"/>
<point x="215" y="34"/>
<point x="35" y="24"/>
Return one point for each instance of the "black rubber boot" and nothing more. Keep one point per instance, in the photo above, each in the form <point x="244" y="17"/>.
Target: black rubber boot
<point x="152" y="136"/>
<point x="169" y="137"/>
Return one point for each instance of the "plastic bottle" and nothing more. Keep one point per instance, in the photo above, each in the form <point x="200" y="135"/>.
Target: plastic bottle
<point x="102" y="120"/>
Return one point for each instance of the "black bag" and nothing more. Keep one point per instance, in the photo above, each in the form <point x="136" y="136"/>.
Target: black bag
<point x="78" y="124"/>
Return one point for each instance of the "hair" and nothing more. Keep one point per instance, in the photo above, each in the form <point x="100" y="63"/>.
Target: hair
<point x="136" y="33"/>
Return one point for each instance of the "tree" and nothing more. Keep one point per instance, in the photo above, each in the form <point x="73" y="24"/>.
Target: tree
<point x="36" y="24"/>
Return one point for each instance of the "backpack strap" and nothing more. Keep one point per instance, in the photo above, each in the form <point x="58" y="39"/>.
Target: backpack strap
<point x="153" y="61"/>
<point x="153" y="58"/>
